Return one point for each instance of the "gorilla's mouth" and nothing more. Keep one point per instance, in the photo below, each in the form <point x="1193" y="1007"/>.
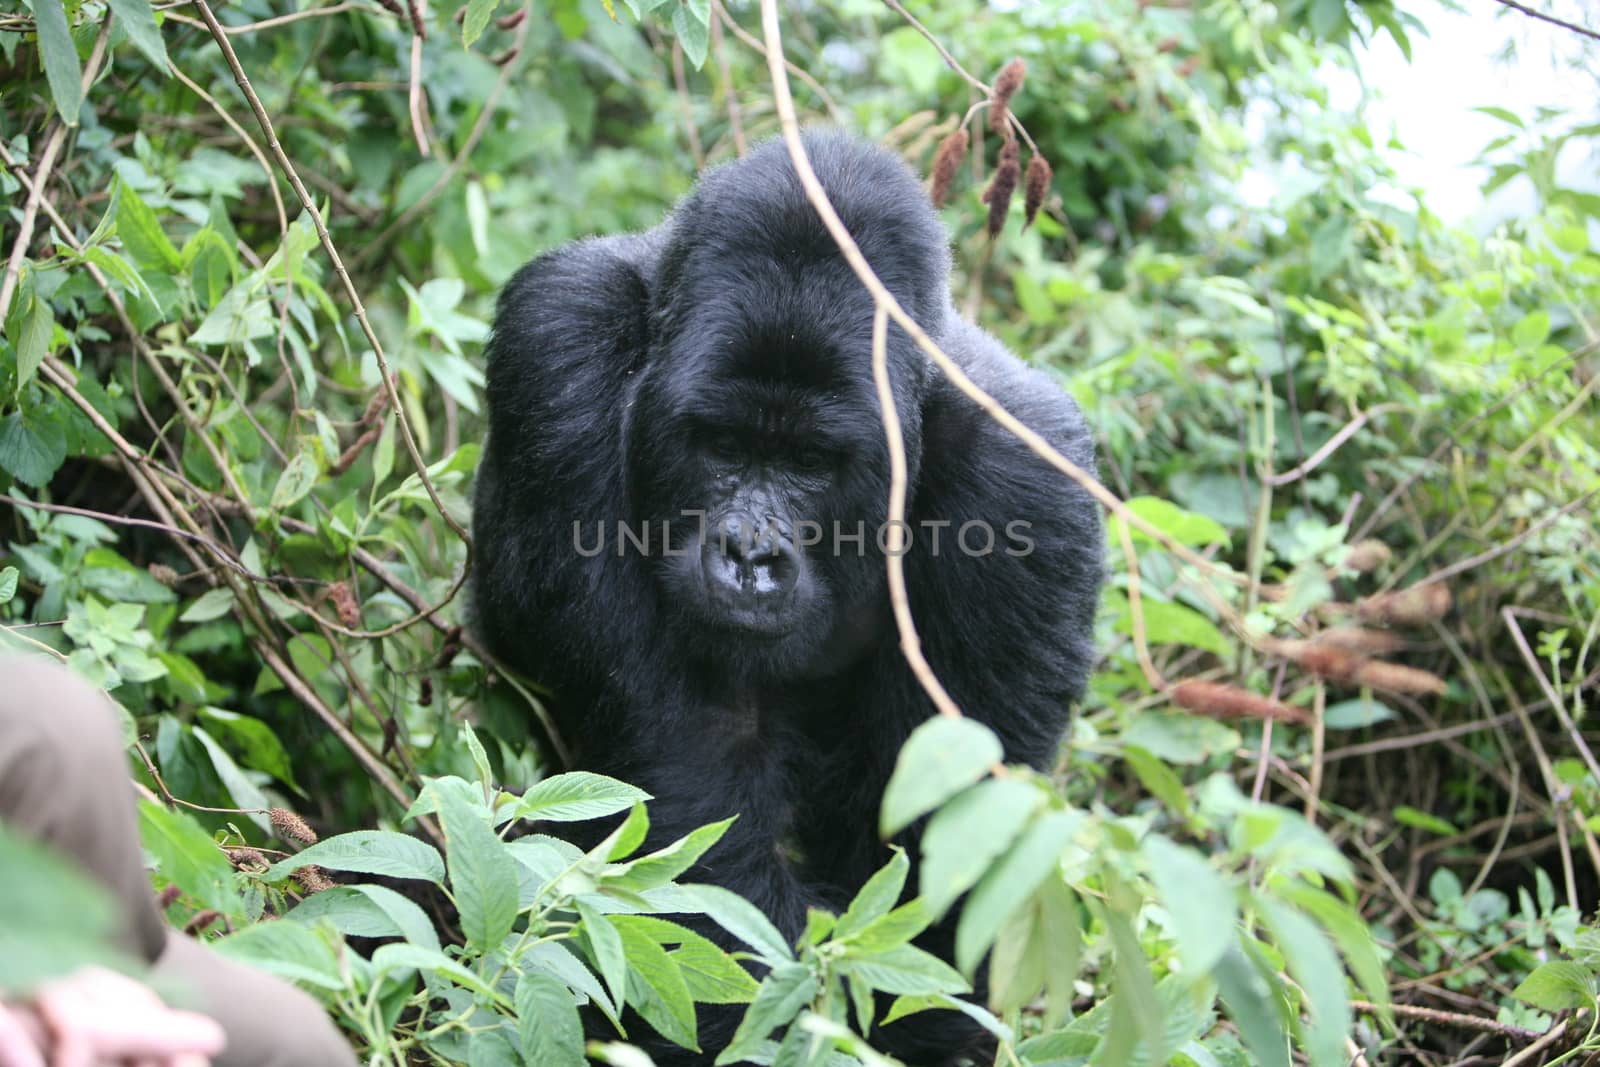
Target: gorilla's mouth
<point x="771" y="616"/>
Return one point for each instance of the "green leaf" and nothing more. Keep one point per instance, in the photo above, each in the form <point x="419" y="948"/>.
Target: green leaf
<point x="1531" y="330"/>
<point x="1508" y="117"/>
<point x="296" y="481"/>
<point x="691" y="22"/>
<point x="942" y="757"/>
<point x="656" y="989"/>
<point x="1039" y="948"/>
<point x="783" y="993"/>
<point x="483" y="875"/>
<point x="1198" y="900"/>
<point x="1559" y="985"/>
<point x="659" y="868"/>
<point x="605" y="945"/>
<point x="905" y="970"/>
<point x="368" y="911"/>
<point x="1406" y="815"/>
<point x="367" y="852"/>
<point x="60" y="58"/>
<point x="1184" y="527"/>
<point x="212" y="604"/>
<point x="1316" y="968"/>
<point x="1345" y="925"/>
<point x="291" y="951"/>
<point x="574" y="797"/>
<point x="966" y="835"/>
<point x="547" y="1022"/>
<point x="38" y="327"/>
<point x="32" y="449"/>
<point x="1355" y="714"/>
<point x="1167" y="623"/>
<point x="479" y="12"/>
<point x="189" y="858"/>
<point x="403" y="955"/>
<point x="140" y="23"/>
<point x="8" y="583"/>
<point x="874" y="900"/>
<point x="1035" y="856"/>
<point x="740" y="918"/>
<point x="713" y="976"/>
<point x="141" y="232"/>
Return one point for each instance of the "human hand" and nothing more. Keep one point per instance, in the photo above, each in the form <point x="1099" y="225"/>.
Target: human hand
<point x="95" y="1017"/>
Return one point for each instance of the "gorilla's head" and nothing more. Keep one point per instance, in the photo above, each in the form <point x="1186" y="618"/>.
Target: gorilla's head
<point x="756" y="431"/>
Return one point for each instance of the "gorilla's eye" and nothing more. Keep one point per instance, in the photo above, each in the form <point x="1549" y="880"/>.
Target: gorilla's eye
<point x="724" y="444"/>
<point x="813" y="460"/>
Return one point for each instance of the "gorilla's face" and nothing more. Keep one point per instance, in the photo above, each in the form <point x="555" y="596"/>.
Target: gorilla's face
<point x="761" y="449"/>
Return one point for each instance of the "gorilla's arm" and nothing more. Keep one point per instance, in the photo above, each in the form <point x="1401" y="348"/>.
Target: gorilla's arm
<point x="569" y="332"/>
<point x="1009" y="634"/>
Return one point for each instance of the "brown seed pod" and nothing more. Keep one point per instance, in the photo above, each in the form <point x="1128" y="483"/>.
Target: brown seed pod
<point x="1035" y="184"/>
<point x="946" y="163"/>
<point x="1219" y="701"/>
<point x="1002" y="187"/>
<point x="344" y="602"/>
<point x="168" y="897"/>
<point x="1415" y="605"/>
<point x="1006" y="84"/>
<point x="1367" y="556"/>
<point x="291" y="827"/>
<point x="248" y="859"/>
<point x="201" y="920"/>
<point x="312" y="879"/>
<point x="1399" y="679"/>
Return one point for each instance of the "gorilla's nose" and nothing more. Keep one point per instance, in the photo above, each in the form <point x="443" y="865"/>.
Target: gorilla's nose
<point x="753" y="564"/>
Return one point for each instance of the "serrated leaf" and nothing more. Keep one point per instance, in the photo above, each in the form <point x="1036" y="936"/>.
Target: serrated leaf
<point x="296" y="481"/>
<point x="966" y="835"/>
<point x="139" y="21"/>
<point x="368" y="911"/>
<point x="574" y="797"/>
<point x="1315" y="967"/>
<point x="547" y="1022"/>
<point x="691" y="23"/>
<point x="32" y="449"/>
<point x="740" y="918"/>
<point x="1184" y="527"/>
<point x="8" y="583"/>
<point x="664" y="998"/>
<point x="1035" y="855"/>
<point x="60" y="58"/>
<point x="212" y="604"/>
<point x="1559" y="985"/>
<point x="605" y="945"/>
<point x="483" y="875"/>
<point x="477" y="19"/>
<point x="1198" y="900"/>
<point x="875" y="898"/>
<point x="941" y="757"/>
<point x="658" y="868"/>
<point x="189" y="858"/>
<point x="367" y="852"/>
<point x="141" y="232"/>
<point x="906" y="970"/>
<point x="783" y="993"/>
<point x="38" y="326"/>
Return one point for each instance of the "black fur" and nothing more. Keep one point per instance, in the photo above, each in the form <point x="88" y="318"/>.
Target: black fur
<point x="612" y="361"/>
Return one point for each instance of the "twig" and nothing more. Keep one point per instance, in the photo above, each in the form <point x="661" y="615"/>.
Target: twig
<point x="1452" y="1018"/>
<point x="41" y="175"/>
<point x="1332" y="445"/>
<point x="730" y="95"/>
<point x="479" y="128"/>
<point x="414" y="98"/>
<point x="681" y="83"/>
<point x="910" y="643"/>
<point x="1551" y="19"/>
<point x="310" y="205"/>
<point x="1551" y="1036"/>
<point x="1501" y="549"/>
<point x="804" y="75"/>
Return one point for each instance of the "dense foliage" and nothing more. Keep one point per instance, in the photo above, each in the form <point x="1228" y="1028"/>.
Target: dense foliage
<point x="1337" y="752"/>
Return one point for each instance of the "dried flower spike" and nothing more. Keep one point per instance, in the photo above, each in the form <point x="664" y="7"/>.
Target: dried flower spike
<point x="1002" y="186"/>
<point x="1034" y="187"/>
<point x="1006" y="84"/>
<point x="946" y="162"/>
<point x="291" y="826"/>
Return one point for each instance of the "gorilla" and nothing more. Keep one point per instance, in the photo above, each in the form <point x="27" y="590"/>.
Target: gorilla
<point x="679" y="521"/>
